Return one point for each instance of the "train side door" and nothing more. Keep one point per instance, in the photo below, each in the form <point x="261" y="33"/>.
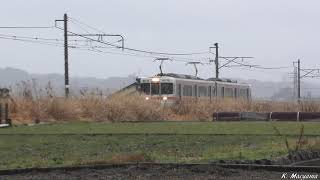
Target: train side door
<point x="196" y="91"/>
<point x="210" y="92"/>
<point x="179" y="91"/>
<point x="222" y="91"/>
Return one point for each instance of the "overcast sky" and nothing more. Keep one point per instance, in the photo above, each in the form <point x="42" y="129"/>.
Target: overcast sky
<point x="274" y="32"/>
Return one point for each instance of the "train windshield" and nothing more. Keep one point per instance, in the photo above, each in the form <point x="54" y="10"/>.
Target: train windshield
<point x="155" y="88"/>
<point x="166" y="88"/>
<point x="145" y="88"/>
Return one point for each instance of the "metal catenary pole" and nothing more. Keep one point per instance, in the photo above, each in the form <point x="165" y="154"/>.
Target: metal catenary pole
<point x="299" y="78"/>
<point x="217" y="59"/>
<point x="66" y="55"/>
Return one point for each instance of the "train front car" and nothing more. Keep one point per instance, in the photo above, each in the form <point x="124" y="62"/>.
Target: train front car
<point x="160" y="88"/>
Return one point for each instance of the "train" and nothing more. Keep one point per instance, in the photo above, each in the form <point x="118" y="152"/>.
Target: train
<point x="173" y="87"/>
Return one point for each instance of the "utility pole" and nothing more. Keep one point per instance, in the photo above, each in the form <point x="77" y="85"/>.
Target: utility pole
<point x="308" y="73"/>
<point x="295" y="83"/>
<point x="66" y="55"/>
<point x="299" y="78"/>
<point x="217" y="59"/>
<point x="229" y="59"/>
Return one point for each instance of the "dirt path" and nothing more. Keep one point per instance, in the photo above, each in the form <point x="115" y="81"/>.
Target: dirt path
<point x="155" y="172"/>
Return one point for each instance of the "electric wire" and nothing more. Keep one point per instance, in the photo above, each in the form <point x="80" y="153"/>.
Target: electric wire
<point x="133" y="49"/>
<point x="74" y="46"/>
<point x="26" y="27"/>
<point x="152" y="54"/>
<point x="40" y="38"/>
<point x="33" y="41"/>
<point x="80" y="22"/>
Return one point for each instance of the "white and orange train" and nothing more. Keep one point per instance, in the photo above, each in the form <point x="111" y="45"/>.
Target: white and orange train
<point x="172" y="87"/>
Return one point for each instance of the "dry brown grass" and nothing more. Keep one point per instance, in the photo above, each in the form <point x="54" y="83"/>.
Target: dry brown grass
<point x="113" y="109"/>
<point x="33" y="105"/>
<point x="135" y="108"/>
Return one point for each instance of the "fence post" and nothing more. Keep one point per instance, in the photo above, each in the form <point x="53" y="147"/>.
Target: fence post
<point x="4" y="106"/>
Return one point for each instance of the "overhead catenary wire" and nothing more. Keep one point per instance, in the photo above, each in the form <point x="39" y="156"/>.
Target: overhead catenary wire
<point x="80" y="22"/>
<point x="134" y="49"/>
<point x="26" y="27"/>
<point x="32" y="41"/>
<point x="74" y="20"/>
<point x="152" y="54"/>
<point x="80" y="26"/>
<point x="98" y="30"/>
<point x="126" y="54"/>
<point x="239" y="64"/>
<point x="40" y="40"/>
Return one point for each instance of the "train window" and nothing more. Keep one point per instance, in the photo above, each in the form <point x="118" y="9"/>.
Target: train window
<point x="179" y="90"/>
<point x="222" y="91"/>
<point x="229" y="92"/>
<point x="209" y="91"/>
<point x="202" y="91"/>
<point x="195" y="90"/>
<point x="155" y="88"/>
<point x="145" y="88"/>
<point x="166" y="88"/>
<point x="242" y="93"/>
<point x="235" y="93"/>
<point x="187" y="90"/>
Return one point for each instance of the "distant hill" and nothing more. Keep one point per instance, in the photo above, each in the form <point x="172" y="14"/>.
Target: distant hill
<point x="9" y="77"/>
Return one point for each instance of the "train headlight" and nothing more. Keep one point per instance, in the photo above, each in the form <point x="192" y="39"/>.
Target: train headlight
<point x="165" y="98"/>
<point x="147" y="98"/>
<point x="155" y="80"/>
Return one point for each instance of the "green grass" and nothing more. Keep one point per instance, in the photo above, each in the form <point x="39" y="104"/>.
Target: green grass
<point x="56" y="150"/>
<point x="81" y="143"/>
<point x="290" y="128"/>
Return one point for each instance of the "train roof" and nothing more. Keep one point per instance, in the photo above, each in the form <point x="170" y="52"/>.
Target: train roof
<point x="184" y="76"/>
<point x="181" y="76"/>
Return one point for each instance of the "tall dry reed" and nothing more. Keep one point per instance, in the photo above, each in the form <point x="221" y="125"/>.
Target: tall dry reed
<point x="31" y="104"/>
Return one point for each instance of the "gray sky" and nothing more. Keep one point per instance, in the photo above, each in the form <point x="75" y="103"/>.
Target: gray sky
<point x="275" y="32"/>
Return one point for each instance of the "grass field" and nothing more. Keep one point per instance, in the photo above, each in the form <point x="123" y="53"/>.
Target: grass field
<point x="288" y="128"/>
<point x="84" y="143"/>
